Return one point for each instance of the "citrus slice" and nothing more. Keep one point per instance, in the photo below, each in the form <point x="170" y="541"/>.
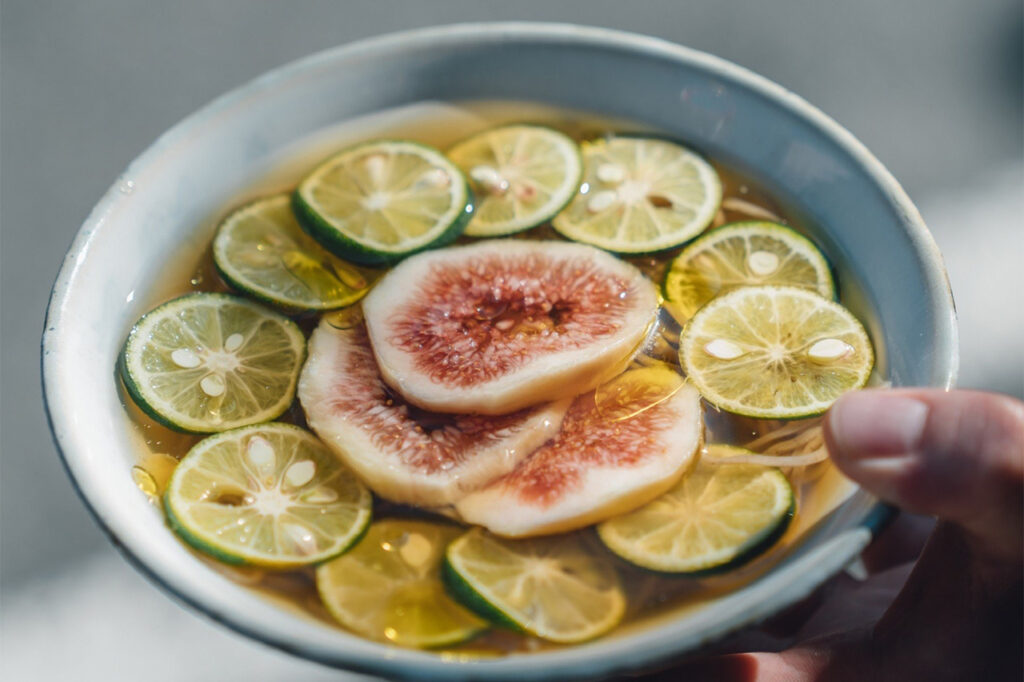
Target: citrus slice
<point x="553" y="587"/>
<point x="744" y="254"/>
<point x="211" y="362"/>
<point x="380" y="201"/>
<point x="522" y="175"/>
<point x="269" y="495"/>
<point x="389" y="587"/>
<point x="775" y="352"/>
<point x="261" y="250"/>
<point x="717" y="517"/>
<point x="640" y="195"/>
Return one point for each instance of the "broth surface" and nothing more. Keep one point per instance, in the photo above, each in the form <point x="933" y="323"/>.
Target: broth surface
<point x="819" y="488"/>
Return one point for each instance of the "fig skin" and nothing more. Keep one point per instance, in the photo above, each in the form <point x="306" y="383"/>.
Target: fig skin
<point x="500" y="325"/>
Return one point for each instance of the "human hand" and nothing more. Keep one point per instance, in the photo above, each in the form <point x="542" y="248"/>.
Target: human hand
<point x="958" y="456"/>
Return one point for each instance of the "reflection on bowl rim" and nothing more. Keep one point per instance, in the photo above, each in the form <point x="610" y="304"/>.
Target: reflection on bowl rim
<point x="267" y="623"/>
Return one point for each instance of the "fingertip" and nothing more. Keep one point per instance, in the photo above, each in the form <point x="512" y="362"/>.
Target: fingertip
<point x="958" y="455"/>
<point x="873" y="424"/>
<point x="745" y="667"/>
<point x="730" y="667"/>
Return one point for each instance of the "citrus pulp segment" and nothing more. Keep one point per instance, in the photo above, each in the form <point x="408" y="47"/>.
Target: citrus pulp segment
<point x="389" y="588"/>
<point x="261" y="250"/>
<point x="640" y="195"/>
<point x="775" y="352"/>
<point x="718" y="516"/>
<point x="522" y="175"/>
<point x="270" y="495"/>
<point x="744" y="254"/>
<point x="554" y="588"/>
<point x="377" y="202"/>
<point x="210" y="362"/>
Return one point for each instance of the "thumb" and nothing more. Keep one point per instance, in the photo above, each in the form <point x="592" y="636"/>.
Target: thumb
<point x="957" y="455"/>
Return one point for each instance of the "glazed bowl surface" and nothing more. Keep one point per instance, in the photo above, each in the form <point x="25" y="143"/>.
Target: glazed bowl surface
<point x="160" y="209"/>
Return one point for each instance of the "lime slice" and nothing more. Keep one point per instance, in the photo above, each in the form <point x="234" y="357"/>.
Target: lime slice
<point x="261" y="250"/>
<point x="270" y="495"/>
<point x="775" y="352"/>
<point x="640" y="195"/>
<point x="380" y="201"/>
<point x="389" y="587"/>
<point x="744" y="254"/>
<point x="717" y="517"/>
<point x="522" y="175"/>
<point x="552" y="587"/>
<point x="211" y="362"/>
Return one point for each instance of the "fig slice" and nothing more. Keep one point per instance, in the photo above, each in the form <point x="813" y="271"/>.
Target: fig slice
<point x="497" y="326"/>
<point x="603" y="462"/>
<point x="401" y="452"/>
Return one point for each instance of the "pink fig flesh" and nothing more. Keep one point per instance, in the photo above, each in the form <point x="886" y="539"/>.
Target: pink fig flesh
<point x="497" y="326"/>
<point x="402" y="452"/>
<point x="596" y="467"/>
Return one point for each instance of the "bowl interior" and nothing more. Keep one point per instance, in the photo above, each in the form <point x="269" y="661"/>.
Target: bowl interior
<point x="157" y="219"/>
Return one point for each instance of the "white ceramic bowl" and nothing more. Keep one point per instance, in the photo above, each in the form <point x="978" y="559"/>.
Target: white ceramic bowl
<point x="161" y="208"/>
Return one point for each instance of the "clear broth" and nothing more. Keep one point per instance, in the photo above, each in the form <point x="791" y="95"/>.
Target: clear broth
<point x="819" y="488"/>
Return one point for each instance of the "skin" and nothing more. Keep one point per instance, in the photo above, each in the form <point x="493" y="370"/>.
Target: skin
<point x="954" y="614"/>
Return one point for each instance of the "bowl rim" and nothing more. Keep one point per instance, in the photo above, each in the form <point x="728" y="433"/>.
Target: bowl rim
<point x="372" y="657"/>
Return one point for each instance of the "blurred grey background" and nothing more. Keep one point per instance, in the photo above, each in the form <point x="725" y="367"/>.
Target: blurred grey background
<point x="933" y="87"/>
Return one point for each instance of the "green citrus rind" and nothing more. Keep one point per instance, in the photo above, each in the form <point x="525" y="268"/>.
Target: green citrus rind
<point x="498" y="149"/>
<point x="640" y="195"/>
<point x="376" y="591"/>
<point x="217" y="468"/>
<point x="775" y="330"/>
<point x="707" y="267"/>
<point x="571" y="595"/>
<point x="155" y="381"/>
<point x="472" y="600"/>
<point x="678" y="514"/>
<point x="252" y="250"/>
<point x="333" y="233"/>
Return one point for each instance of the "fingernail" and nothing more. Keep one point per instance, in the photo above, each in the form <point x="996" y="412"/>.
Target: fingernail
<point x="876" y="424"/>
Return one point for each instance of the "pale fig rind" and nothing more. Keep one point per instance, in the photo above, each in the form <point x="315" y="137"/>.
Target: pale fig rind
<point x="497" y="326"/>
<point x="402" y="453"/>
<point x="594" y="469"/>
